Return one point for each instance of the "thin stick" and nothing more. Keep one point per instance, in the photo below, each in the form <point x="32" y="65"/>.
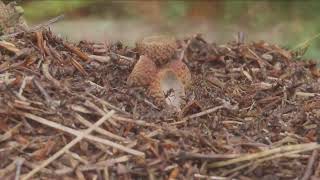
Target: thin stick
<point x="77" y="133"/>
<point x="68" y="146"/>
<point x="19" y="163"/>
<point x="207" y="157"/>
<point x="83" y="56"/>
<point x="306" y="94"/>
<point x="200" y="176"/>
<point x="35" y="28"/>
<point x="311" y="161"/>
<point x="106" y="173"/>
<point x="205" y="112"/>
<point x="109" y="105"/>
<point x="104" y="164"/>
<point x="46" y="73"/>
<point x="264" y="154"/>
<point x="48" y="23"/>
<point x="138" y="122"/>
<point x="77" y="157"/>
<point x="101" y="59"/>
<point x="99" y="130"/>
<point x="123" y="57"/>
<point x="100" y="111"/>
<point x="23" y="84"/>
<point x="43" y="91"/>
<point x="284" y="154"/>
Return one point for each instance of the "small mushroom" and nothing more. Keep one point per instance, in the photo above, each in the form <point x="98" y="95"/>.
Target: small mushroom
<point x="167" y="87"/>
<point x="159" y="48"/>
<point x="182" y="71"/>
<point x="143" y="72"/>
<point x="170" y="84"/>
<point x="166" y="77"/>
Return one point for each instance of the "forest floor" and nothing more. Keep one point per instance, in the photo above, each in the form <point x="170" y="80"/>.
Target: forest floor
<point x="252" y="112"/>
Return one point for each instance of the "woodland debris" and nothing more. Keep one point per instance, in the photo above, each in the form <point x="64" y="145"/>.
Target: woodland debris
<point x="250" y="111"/>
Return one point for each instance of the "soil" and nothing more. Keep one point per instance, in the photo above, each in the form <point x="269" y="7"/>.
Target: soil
<point x="252" y="112"/>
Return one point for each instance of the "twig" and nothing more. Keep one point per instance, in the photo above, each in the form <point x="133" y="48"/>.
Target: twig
<point x="265" y="153"/>
<point x="78" y="66"/>
<point x="48" y="23"/>
<point x="79" y="108"/>
<point x="306" y="94"/>
<point x="190" y="155"/>
<point x="116" y="117"/>
<point x="68" y="146"/>
<point x="42" y="90"/>
<point x="283" y="154"/>
<point x="151" y="104"/>
<point x="259" y="60"/>
<point x="19" y="163"/>
<point x="99" y="130"/>
<point x="311" y="162"/>
<point x="109" y="105"/>
<point x="317" y="170"/>
<point x="40" y="43"/>
<point x="77" y="51"/>
<point x="8" y="134"/>
<point x="106" y="163"/>
<point x="77" y="133"/>
<point x="210" y="177"/>
<point x="138" y="122"/>
<point x="77" y="157"/>
<point x="101" y="59"/>
<point x="122" y="57"/>
<point x="95" y="85"/>
<point x="46" y="73"/>
<point x="100" y="111"/>
<point x="105" y="173"/>
<point x="9" y="168"/>
<point x="35" y="28"/>
<point x="205" y="112"/>
<point x="23" y="84"/>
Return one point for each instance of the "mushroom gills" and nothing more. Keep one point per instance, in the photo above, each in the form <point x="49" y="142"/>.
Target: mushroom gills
<point x="173" y="89"/>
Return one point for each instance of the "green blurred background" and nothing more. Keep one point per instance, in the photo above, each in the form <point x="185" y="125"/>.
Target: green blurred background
<point x="287" y="23"/>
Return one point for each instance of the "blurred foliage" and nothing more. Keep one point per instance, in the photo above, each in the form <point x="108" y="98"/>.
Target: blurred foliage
<point x="300" y="17"/>
<point x="36" y="10"/>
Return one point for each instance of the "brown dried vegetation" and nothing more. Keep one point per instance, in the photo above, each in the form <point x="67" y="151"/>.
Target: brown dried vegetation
<point x="67" y="112"/>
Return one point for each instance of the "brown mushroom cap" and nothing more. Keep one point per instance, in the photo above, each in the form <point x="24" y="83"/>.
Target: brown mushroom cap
<point x="167" y="83"/>
<point x="159" y="48"/>
<point x="143" y="72"/>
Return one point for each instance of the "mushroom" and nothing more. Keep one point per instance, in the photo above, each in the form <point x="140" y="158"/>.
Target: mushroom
<point x="166" y="77"/>
<point x="143" y="72"/>
<point x="182" y="71"/>
<point x="159" y="48"/>
<point x="168" y="87"/>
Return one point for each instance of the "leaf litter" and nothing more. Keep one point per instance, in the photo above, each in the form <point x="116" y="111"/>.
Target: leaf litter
<point x="252" y="112"/>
